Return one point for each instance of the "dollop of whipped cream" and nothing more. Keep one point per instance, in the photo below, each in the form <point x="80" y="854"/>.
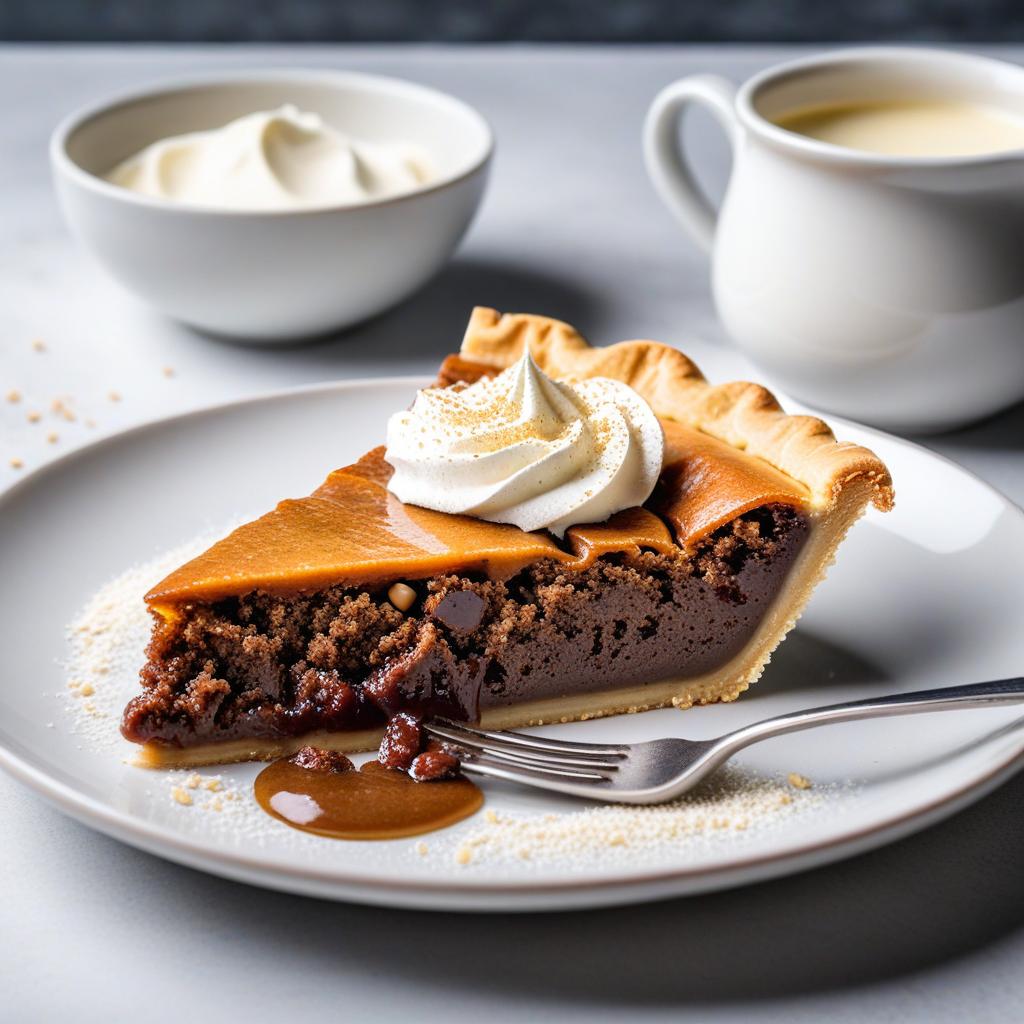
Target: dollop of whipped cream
<point x="522" y="448"/>
<point x="273" y="160"/>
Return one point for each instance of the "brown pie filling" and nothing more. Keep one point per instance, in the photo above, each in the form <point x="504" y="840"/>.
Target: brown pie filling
<point x="644" y="597"/>
<point x="318" y="624"/>
<point x="284" y="632"/>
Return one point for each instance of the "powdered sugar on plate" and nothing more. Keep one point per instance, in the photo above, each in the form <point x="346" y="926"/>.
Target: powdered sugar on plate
<point x="107" y="641"/>
<point x="731" y="806"/>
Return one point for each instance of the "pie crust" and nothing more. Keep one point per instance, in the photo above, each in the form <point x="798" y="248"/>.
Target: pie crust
<point x="837" y="481"/>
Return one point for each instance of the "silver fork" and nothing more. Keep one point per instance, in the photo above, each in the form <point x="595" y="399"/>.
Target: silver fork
<point x="649" y="773"/>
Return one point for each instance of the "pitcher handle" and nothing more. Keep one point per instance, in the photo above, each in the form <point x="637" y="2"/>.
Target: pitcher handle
<point x="665" y="154"/>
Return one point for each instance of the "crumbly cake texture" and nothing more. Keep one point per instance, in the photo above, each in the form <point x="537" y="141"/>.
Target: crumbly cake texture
<point x="840" y="479"/>
<point x="263" y="673"/>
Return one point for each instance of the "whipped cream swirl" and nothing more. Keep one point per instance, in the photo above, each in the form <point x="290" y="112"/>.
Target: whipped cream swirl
<point x="522" y="448"/>
<point x="280" y="159"/>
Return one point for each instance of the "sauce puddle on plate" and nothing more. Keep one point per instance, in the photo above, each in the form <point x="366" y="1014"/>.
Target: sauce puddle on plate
<point x="371" y="803"/>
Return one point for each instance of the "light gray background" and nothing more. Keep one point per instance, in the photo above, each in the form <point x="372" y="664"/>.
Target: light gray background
<point x="931" y="928"/>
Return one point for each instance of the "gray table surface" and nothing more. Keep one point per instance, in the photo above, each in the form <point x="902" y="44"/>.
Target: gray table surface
<point x="931" y="928"/>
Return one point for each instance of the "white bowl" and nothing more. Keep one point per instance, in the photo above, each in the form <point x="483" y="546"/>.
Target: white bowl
<point x="269" y="276"/>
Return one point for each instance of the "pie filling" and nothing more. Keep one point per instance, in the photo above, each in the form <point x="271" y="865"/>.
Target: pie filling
<point x="265" y="666"/>
<point x="325" y="618"/>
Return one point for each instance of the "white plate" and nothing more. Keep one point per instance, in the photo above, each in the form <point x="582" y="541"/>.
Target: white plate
<point x="922" y="597"/>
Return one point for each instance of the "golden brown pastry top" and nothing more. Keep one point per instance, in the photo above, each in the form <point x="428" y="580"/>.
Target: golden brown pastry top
<point x="352" y="530"/>
<point x="745" y="416"/>
<point x="729" y="449"/>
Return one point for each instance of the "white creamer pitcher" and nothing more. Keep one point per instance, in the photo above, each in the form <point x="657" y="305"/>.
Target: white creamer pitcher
<point x="889" y="289"/>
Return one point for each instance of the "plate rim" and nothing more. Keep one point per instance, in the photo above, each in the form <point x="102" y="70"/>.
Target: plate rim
<point x="346" y="885"/>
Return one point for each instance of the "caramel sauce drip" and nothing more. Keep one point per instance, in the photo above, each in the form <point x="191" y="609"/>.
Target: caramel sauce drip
<point x="352" y="531"/>
<point x="372" y="803"/>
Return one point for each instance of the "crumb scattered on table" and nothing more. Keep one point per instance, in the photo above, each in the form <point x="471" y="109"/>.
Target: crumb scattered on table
<point x="61" y="407"/>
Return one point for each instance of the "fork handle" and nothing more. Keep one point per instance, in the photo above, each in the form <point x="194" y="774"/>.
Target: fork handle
<point x="974" y="695"/>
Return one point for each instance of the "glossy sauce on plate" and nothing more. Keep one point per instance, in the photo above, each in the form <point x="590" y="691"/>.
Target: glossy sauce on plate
<point x="371" y="803"/>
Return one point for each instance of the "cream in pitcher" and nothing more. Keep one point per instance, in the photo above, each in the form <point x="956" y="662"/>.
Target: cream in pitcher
<point x="869" y="252"/>
<point x="932" y="128"/>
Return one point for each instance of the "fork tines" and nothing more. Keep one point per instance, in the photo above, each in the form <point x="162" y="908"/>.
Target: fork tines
<point x="508" y="754"/>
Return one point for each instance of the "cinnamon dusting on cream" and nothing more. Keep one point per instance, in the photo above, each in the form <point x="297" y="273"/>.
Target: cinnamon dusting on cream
<point x="524" y="449"/>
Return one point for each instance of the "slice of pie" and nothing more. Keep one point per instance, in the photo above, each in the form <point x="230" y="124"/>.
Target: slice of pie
<point x="317" y="622"/>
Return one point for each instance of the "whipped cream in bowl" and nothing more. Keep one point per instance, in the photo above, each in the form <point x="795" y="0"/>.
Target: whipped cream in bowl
<point x="273" y="206"/>
<point x="525" y="449"/>
<point x="278" y="159"/>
